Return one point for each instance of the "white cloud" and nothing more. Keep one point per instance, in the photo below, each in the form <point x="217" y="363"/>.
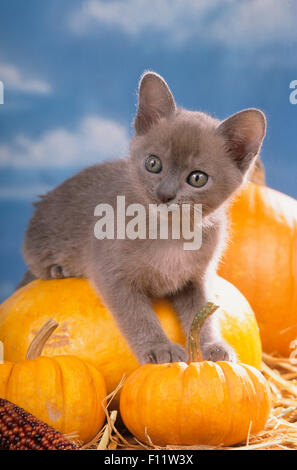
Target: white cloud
<point x="265" y="21"/>
<point x="94" y="139"/>
<point x="17" y="80"/>
<point x="134" y="16"/>
<point x="229" y="22"/>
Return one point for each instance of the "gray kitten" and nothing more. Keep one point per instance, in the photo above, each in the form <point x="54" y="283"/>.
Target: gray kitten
<point x="176" y="156"/>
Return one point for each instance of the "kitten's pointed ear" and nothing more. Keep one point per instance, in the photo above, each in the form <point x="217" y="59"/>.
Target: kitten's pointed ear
<point x="244" y="133"/>
<point x="155" y="100"/>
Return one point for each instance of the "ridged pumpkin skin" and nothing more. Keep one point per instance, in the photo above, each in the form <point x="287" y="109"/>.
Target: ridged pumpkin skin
<point x="88" y="330"/>
<point x="200" y="403"/>
<point x="261" y="261"/>
<point x="64" y="392"/>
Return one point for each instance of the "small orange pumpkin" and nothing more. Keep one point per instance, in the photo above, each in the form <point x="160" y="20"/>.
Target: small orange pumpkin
<point x="63" y="391"/>
<point x="261" y="261"/>
<point x="197" y="403"/>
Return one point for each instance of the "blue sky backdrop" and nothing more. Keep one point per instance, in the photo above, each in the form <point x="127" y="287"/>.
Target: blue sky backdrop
<point x="70" y="70"/>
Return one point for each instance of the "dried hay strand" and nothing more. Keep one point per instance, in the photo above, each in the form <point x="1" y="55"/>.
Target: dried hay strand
<point x="280" y="432"/>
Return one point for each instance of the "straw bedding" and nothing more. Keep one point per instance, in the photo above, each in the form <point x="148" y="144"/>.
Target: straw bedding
<point x="280" y="432"/>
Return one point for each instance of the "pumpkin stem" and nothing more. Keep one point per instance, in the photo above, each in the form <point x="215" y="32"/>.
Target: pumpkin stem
<point x="38" y="343"/>
<point x="194" y="348"/>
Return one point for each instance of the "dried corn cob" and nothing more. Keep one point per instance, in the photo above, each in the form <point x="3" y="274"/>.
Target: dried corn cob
<point x="19" y="430"/>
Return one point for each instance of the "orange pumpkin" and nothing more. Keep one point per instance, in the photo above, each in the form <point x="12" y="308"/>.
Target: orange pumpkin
<point x="261" y="260"/>
<point x="88" y="330"/>
<point x="196" y="403"/>
<point x="64" y="391"/>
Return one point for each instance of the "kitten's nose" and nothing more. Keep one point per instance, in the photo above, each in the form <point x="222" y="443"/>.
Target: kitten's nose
<point x="165" y="196"/>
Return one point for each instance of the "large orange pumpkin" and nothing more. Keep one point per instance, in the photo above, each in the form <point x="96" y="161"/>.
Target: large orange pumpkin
<point x="261" y="260"/>
<point x="196" y="403"/>
<point x="88" y="330"/>
<point x="63" y="391"/>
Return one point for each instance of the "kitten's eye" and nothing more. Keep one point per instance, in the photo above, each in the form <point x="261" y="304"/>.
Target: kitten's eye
<point x="153" y="164"/>
<point x="197" y="179"/>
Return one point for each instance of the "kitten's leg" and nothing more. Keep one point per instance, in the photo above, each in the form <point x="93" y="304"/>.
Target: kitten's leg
<point x="57" y="271"/>
<point x="187" y="303"/>
<point x="139" y="324"/>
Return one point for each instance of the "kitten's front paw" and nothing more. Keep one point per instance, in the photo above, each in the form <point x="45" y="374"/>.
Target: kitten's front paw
<point x="159" y="353"/>
<point x="218" y="352"/>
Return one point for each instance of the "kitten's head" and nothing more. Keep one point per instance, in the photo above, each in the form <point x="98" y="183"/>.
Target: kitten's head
<point x="181" y="156"/>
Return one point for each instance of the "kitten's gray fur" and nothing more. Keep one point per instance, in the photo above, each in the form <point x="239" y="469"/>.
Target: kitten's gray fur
<point x="128" y="274"/>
